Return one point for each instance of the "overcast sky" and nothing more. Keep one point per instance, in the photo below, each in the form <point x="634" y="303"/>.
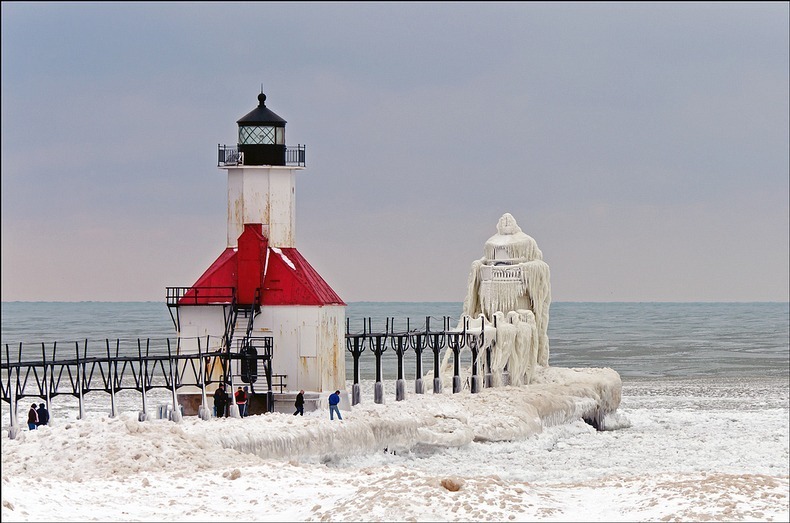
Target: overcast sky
<point x="643" y="146"/>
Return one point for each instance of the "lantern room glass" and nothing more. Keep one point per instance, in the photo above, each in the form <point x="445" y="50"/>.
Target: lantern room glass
<point x="261" y="135"/>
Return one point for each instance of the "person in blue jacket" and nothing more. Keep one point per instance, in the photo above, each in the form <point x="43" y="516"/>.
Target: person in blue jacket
<point x="334" y="399"/>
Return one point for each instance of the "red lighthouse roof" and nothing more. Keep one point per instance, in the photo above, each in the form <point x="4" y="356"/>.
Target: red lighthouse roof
<point x="284" y="276"/>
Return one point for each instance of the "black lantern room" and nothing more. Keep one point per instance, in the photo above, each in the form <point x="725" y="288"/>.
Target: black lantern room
<point x="262" y="136"/>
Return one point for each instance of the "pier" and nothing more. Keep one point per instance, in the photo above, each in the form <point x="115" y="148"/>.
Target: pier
<point x="51" y="369"/>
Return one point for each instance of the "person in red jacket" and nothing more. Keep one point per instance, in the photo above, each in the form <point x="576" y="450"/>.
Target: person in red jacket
<point x="32" y="418"/>
<point x="241" y="401"/>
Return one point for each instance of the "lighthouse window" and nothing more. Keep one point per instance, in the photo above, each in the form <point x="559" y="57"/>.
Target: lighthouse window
<point x="280" y="135"/>
<point x="257" y="135"/>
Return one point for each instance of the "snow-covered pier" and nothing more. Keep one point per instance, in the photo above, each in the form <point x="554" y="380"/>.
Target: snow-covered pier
<point x="47" y="371"/>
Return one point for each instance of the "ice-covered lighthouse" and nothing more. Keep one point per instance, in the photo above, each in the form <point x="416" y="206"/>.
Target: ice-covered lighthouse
<point x="261" y="294"/>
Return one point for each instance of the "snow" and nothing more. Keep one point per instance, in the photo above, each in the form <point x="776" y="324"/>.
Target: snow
<point x="506" y="454"/>
<point x="285" y="258"/>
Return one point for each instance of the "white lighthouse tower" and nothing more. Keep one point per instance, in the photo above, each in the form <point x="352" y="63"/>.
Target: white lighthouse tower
<point x="260" y="287"/>
<point x="261" y="186"/>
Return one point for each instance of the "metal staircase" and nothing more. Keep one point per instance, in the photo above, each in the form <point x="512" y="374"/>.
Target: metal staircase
<point x="242" y="351"/>
<point x="240" y="317"/>
<point x="250" y="349"/>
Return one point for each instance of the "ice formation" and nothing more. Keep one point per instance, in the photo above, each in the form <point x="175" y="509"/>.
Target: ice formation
<point x="508" y="298"/>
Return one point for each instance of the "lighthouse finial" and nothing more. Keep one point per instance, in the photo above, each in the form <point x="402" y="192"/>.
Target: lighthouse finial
<point x="262" y="98"/>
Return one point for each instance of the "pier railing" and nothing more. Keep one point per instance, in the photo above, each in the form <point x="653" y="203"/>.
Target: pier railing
<point x="78" y="368"/>
<point x="431" y="339"/>
<point x="110" y="366"/>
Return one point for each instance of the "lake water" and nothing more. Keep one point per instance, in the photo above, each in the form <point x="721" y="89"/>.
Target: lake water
<point x="635" y="339"/>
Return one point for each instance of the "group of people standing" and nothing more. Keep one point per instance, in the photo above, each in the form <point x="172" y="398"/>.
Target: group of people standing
<point x="37" y="416"/>
<point x="222" y="401"/>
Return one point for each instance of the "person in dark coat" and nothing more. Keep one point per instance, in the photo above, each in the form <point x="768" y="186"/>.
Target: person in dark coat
<point x="43" y="414"/>
<point x="220" y="401"/>
<point x="32" y="418"/>
<point x="249" y="401"/>
<point x="299" y="403"/>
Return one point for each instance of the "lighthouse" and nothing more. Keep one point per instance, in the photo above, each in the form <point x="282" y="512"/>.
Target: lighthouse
<point x="261" y="297"/>
<point x="508" y="296"/>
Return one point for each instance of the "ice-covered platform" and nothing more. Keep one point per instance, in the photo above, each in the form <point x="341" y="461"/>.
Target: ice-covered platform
<point x="556" y="396"/>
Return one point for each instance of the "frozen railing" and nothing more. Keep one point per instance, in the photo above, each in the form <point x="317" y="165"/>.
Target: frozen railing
<point x="111" y="366"/>
<point x="500" y="272"/>
<point x="47" y="370"/>
<point x="431" y="341"/>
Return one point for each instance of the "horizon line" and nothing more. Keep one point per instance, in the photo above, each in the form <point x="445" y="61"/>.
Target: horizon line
<point x="423" y="301"/>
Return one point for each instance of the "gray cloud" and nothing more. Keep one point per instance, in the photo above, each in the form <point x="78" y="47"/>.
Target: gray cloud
<point x="644" y="146"/>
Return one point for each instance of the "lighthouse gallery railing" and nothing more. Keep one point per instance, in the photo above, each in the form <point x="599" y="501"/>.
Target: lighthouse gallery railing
<point x="230" y="155"/>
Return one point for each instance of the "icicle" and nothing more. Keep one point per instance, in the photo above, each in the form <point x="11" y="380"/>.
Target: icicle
<point x="505" y="341"/>
<point x="472" y="302"/>
<point x="537" y="279"/>
<point x="514" y="364"/>
<point x="533" y="345"/>
<point x="528" y="340"/>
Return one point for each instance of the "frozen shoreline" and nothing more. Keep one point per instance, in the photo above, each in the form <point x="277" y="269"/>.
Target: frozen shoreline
<point x="690" y="454"/>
